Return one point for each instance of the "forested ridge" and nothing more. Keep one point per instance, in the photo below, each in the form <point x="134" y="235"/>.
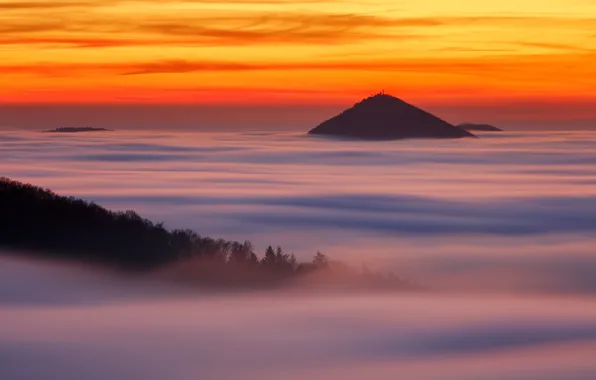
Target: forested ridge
<point x="44" y="224"/>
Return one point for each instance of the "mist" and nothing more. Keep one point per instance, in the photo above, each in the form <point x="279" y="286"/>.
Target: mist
<point x="73" y="322"/>
<point x="518" y="206"/>
<point x="498" y="231"/>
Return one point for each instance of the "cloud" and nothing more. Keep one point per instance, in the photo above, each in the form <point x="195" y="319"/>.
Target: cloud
<point x="391" y="215"/>
<point x="74" y="324"/>
<point x="173" y="66"/>
<point x="511" y="212"/>
<point x="554" y="46"/>
<point x="186" y="67"/>
<point x="246" y="28"/>
<point x="74" y="41"/>
<point x="43" y="5"/>
<point x="461" y="66"/>
<point x="233" y="27"/>
<point x="10" y="29"/>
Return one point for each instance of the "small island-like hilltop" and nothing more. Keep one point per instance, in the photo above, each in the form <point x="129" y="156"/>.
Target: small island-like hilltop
<point x="78" y="129"/>
<point x="385" y="117"/>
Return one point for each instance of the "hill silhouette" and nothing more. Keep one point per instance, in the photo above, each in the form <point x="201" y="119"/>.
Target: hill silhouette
<point x="78" y="129"/>
<point x="38" y="222"/>
<point x="479" y="127"/>
<point x="385" y="117"/>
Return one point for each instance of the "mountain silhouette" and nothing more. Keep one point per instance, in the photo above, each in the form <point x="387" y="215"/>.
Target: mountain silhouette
<point x="385" y="117"/>
<point x="479" y="127"/>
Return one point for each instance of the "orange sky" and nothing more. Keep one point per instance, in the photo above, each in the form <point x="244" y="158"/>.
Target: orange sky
<point x="301" y="51"/>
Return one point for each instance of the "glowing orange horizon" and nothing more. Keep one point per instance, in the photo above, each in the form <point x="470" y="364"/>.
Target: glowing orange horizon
<point x="309" y="51"/>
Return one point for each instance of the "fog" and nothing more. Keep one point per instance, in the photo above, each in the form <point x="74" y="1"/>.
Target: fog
<point x="500" y="230"/>
<point x="513" y="210"/>
<point x="71" y="323"/>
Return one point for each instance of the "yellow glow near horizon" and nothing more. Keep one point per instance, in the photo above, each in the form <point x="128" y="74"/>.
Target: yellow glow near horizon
<point x="295" y="51"/>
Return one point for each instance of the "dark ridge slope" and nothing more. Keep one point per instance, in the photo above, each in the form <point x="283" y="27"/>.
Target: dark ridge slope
<point x="37" y="222"/>
<point x="384" y="117"/>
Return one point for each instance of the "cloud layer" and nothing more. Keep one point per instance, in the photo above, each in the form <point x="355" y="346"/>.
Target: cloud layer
<point x="432" y="210"/>
<point x="80" y="324"/>
<point x="500" y="229"/>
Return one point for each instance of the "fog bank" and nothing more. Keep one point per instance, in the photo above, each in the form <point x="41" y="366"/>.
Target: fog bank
<point x="71" y="323"/>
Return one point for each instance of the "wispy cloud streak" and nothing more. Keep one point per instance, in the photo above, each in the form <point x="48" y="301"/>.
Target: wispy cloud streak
<point x="116" y="38"/>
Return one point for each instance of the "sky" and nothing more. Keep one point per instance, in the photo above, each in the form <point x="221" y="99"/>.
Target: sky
<point x="506" y="55"/>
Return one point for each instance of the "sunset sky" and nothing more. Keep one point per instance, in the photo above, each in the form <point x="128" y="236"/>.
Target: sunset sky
<point x="298" y="52"/>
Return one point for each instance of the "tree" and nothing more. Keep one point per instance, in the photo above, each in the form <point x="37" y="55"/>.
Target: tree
<point x="241" y="253"/>
<point x="269" y="259"/>
<point x="293" y="263"/>
<point x="320" y="260"/>
<point x="280" y="256"/>
<point x="40" y="222"/>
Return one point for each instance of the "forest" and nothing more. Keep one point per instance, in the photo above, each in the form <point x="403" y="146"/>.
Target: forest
<point x="40" y="223"/>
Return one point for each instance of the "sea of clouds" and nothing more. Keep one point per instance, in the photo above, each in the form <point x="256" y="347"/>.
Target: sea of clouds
<point x="500" y="229"/>
<point x="64" y="322"/>
<point x="519" y="206"/>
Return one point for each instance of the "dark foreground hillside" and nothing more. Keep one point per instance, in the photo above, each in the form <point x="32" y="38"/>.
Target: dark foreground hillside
<point x="44" y="224"/>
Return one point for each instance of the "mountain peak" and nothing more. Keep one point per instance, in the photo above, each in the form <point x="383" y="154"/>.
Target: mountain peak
<point x="381" y="97"/>
<point x="385" y="117"/>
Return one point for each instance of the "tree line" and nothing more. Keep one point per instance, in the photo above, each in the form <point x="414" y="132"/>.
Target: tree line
<point x="38" y="221"/>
